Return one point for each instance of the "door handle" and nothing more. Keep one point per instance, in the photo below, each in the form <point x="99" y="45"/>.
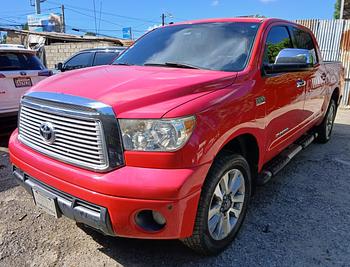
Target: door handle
<point x="300" y="83"/>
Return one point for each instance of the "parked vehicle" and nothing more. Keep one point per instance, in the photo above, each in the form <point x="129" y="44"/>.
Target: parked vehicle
<point x="91" y="57"/>
<point x="170" y="140"/>
<point x="19" y="70"/>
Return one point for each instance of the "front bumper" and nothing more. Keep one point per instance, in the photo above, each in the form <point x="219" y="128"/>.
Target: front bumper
<point x="76" y="209"/>
<point x="112" y="200"/>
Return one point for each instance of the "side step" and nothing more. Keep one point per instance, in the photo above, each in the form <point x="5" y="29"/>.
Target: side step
<point x="278" y="163"/>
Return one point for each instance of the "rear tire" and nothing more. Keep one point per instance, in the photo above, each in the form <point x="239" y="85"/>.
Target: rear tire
<point x="222" y="206"/>
<point x="325" y="128"/>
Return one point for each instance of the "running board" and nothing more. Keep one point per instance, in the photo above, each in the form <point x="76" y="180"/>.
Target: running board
<point x="278" y="163"/>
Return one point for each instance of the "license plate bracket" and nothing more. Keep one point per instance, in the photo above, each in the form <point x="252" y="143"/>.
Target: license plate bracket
<point x="45" y="202"/>
<point x="23" y="82"/>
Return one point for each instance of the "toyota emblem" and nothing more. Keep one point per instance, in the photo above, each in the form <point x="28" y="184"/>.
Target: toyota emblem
<point x="47" y="132"/>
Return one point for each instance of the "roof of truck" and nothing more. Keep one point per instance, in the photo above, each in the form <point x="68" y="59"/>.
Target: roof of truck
<point x="236" y="19"/>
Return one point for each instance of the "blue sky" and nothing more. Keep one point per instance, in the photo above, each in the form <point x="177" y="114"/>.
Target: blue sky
<point x="140" y="15"/>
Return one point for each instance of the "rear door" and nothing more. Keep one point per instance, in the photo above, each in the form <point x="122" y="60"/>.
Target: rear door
<point x="104" y="58"/>
<point x="315" y="78"/>
<point x="284" y="101"/>
<point x="18" y="72"/>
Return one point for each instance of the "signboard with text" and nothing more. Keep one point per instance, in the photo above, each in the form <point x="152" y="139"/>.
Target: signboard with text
<point x="44" y="22"/>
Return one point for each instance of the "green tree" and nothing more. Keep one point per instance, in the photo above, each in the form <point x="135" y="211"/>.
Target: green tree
<point x="336" y="13"/>
<point x="25" y="26"/>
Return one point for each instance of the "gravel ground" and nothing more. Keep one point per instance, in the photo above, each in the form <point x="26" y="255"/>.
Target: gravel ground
<point x="301" y="218"/>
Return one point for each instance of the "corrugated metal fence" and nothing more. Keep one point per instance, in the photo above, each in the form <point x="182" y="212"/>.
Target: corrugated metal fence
<point x="333" y="37"/>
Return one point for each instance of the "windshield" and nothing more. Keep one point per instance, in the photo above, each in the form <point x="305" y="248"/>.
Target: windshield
<point x="214" y="46"/>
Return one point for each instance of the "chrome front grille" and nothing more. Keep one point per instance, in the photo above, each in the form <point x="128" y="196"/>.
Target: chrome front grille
<point x="78" y="136"/>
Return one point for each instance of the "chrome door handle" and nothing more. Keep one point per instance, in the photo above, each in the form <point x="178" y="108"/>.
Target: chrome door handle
<point x="300" y="83"/>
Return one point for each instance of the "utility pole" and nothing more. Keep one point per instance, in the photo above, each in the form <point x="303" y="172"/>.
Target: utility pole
<point x="163" y="19"/>
<point x="37" y="7"/>
<point x="63" y="28"/>
<point x="341" y="9"/>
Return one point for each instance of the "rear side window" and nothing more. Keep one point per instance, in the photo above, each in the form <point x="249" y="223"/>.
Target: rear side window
<point x="19" y="61"/>
<point x="303" y="40"/>
<point x="277" y="39"/>
<point x="81" y="60"/>
<point x="104" y="58"/>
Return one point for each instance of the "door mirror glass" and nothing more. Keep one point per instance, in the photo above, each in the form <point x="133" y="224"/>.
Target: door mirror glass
<point x="291" y="60"/>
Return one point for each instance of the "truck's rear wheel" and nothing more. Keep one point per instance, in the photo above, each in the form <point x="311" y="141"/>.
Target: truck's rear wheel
<point x="326" y="127"/>
<point x="223" y="205"/>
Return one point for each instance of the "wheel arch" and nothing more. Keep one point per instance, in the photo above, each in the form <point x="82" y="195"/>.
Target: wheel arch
<point x="247" y="145"/>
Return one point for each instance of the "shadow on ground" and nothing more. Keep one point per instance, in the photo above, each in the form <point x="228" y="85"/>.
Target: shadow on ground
<point x="7" y="126"/>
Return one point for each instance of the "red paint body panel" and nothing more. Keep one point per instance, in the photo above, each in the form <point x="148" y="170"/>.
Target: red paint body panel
<point x="224" y="104"/>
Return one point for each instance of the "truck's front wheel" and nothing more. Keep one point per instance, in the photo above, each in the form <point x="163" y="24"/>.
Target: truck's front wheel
<point x="223" y="205"/>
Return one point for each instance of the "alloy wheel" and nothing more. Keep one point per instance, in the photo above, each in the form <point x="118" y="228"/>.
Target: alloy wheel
<point x="226" y="204"/>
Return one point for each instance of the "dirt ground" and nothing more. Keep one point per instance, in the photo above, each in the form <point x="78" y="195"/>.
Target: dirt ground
<point x="301" y="218"/>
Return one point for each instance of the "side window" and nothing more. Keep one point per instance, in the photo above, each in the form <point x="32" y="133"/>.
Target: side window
<point x="81" y="60"/>
<point x="277" y="39"/>
<point x="104" y="58"/>
<point x="303" y="40"/>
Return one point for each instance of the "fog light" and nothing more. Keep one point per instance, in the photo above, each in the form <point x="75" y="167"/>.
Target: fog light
<point x="158" y="217"/>
<point x="150" y="220"/>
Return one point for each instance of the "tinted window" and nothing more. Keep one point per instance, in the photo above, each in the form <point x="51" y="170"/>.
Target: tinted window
<point x="81" y="60"/>
<point x="303" y="40"/>
<point x="104" y="58"/>
<point x="277" y="39"/>
<point x="19" y="61"/>
<point x="216" y="46"/>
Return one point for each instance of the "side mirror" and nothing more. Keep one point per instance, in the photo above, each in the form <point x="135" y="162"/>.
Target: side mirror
<point x="291" y="60"/>
<point x="59" y="66"/>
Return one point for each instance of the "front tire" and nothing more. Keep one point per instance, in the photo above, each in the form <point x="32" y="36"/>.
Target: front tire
<point x="325" y="128"/>
<point x="222" y="205"/>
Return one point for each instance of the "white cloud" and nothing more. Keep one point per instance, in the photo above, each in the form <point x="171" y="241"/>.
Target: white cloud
<point x="267" y="1"/>
<point x="215" y="3"/>
<point x="154" y="26"/>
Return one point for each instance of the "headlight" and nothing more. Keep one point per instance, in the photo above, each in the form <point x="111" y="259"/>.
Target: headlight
<point x="156" y="135"/>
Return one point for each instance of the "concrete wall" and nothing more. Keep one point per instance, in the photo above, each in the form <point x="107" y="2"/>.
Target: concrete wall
<point x="59" y="52"/>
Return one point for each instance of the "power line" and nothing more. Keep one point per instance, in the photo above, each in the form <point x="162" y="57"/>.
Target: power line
<point x="84" y="14"/>
<point x="106" y="13"/>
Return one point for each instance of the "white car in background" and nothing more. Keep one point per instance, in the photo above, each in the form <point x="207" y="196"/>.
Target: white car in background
<point x="20" y="68"/>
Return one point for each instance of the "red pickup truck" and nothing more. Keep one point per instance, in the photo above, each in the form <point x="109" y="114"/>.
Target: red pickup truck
<point x="170" y="140"/>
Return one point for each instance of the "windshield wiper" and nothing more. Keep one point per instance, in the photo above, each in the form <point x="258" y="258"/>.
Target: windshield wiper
<point x="123" y="64"/>
<point x="172" y="64"/>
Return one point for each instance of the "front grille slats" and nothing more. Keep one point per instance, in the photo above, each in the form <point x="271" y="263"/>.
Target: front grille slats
<point x="91" y="131"/>
<point x="36" y="118"/>
<point x="78" y="140"/>
<point x="75" y="154"/>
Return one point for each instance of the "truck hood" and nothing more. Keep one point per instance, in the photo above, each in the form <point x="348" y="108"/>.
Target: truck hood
<point x="137" y="91"/>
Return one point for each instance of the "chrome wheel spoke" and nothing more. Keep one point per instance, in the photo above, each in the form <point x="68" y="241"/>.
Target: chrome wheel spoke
<point x="226" y="226"/>
<point x="224" y="184"/>
<point x="214" y="210"/>
<point x="218" y="230"/>
<point x="218" y="193"/>
<point x="213" y="222"/>
<point x="239" y="198"/>
<point x="235" y="211"/>
<point x="236" y="183"/>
